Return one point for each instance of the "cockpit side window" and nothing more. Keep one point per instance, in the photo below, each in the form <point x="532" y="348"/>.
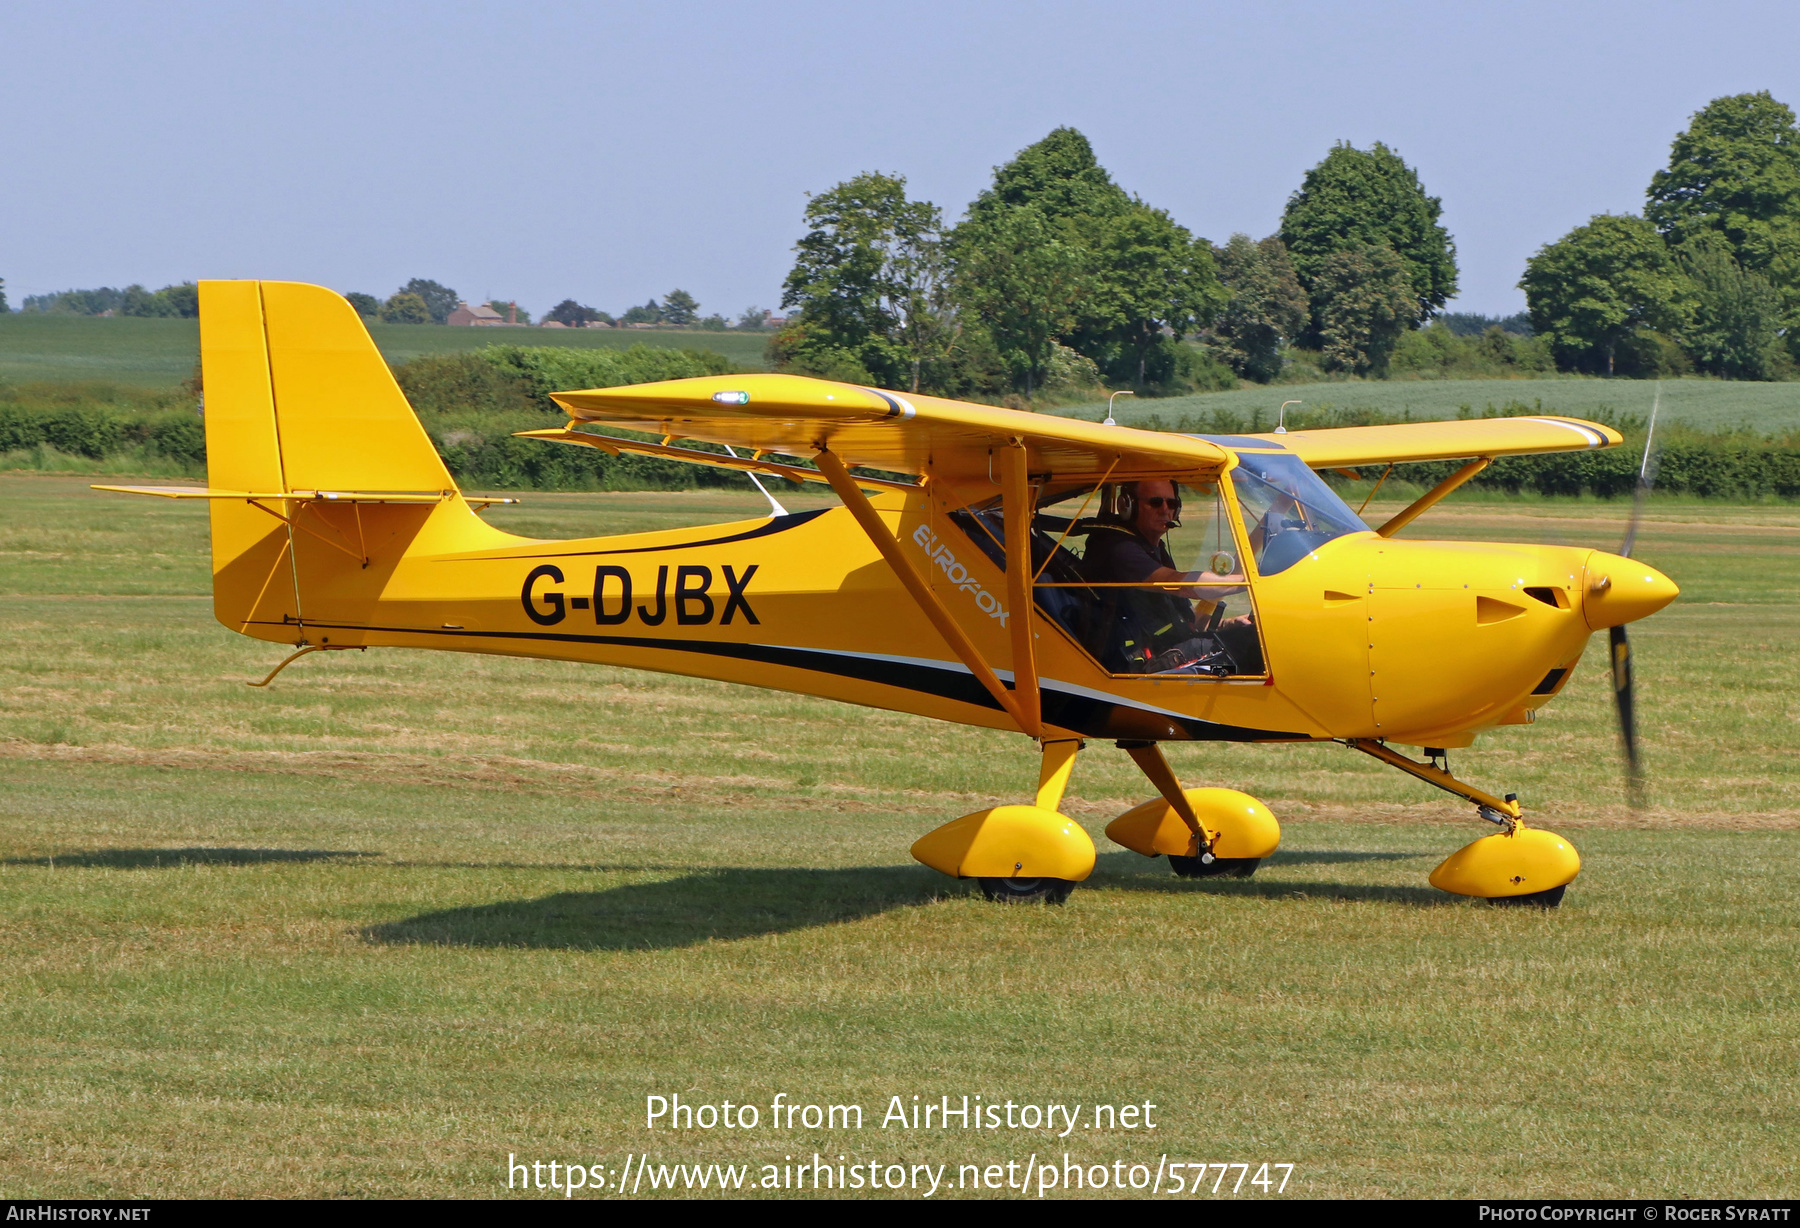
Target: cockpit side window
<point x="1288" y="510"/>
<point x="1174" y="604"/>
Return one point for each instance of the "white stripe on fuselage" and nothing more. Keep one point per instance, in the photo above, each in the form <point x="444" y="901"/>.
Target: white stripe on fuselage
<point x="1005" y="675"/>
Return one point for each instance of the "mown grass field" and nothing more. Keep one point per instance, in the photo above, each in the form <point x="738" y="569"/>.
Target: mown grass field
<point x="375" y="928"/>
<point x="155" y="353"/>
<point x="1707" y="404"/>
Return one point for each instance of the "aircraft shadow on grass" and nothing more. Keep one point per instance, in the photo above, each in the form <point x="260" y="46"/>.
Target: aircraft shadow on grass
<point x="734" y="903"/>
<point x="171" y="859"/>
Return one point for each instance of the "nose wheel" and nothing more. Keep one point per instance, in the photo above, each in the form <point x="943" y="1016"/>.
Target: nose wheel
<point x="1218" y="867"/>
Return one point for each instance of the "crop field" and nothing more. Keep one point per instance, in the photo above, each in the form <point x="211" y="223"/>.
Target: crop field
<point x="157" y="353"/>
<point x="1706" y="404"/>
<point x="400" y="916"/>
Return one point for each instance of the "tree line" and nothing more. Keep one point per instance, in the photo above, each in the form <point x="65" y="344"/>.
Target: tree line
<point x="420" y="301"/>
<point x="678" y="309"/>
<point x="1056" y="277"/>
<point x="1707" y="278"/>
<point x="181" y="300"/>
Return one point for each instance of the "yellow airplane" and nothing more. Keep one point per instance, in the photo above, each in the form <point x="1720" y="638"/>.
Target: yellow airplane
<point x="989" y="571"/>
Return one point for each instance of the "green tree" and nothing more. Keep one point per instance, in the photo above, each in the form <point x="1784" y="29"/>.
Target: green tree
<point x="680" y="309"/>
<point x="572" y="314"/>
<point x="1059" y="176"/>
<point x="1149" y="276"/>
<point x="1734" y="330"/>
<point x="1369" y="299"/>
<point x="405" y="308"/>
<point x="1123" y="278"/>
<point x="1267" y="308"/>
<point x="1357" y="198"/>
<point x="439" y="300"/>
<point x="869" y="278"/>
<point x="141" y="302"/>
<point x="754" y="319"/>
<point x="182" y="300"/>
<point x="1025" y="277"/>
<point x="1070" y="195"/>
<point x="650" y="313"/>
<point x="1735" y="172"/>
<point x="365" y="304"/>
<point x="3" y="307"/>
<point x="1592" y="289"/>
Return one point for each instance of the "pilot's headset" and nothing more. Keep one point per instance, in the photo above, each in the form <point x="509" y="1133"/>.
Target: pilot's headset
<point x="1125" y="505"/>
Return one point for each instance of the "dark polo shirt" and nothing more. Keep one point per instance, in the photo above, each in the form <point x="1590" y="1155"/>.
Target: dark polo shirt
<point x="1117" y="555"/>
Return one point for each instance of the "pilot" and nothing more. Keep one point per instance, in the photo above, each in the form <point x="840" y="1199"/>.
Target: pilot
<point x="1132" y="550"/>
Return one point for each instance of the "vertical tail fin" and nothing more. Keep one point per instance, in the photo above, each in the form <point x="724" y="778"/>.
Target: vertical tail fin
<point x="297" y="399"/>
<point x="342" y="421"/>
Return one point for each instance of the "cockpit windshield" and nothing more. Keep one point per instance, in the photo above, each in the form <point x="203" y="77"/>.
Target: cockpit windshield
<point x="1288" y="510"/>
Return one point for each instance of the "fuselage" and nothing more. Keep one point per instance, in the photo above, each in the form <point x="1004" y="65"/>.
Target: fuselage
<point x="1419" y="642"/>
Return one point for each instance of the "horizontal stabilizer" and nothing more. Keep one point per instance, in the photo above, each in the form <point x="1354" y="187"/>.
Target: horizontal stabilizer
<point x="299" y="496"/>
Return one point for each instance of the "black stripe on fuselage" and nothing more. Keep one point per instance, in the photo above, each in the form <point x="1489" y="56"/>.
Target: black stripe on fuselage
<point x="1081" y="713"/>
<point x="776" y="524"/>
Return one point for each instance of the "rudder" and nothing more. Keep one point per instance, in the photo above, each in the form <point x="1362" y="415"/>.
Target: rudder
<point x="298" y="399"/>
<point x="252" y="550"/>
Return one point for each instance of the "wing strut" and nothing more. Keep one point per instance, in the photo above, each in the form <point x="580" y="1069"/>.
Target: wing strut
<point x="1417" y="507"/>
<point x="941" y="618"/>
<point x="1016" y="488"/>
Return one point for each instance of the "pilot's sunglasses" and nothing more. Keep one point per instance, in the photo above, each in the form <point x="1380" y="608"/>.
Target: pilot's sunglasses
<point x="1158" y="502"/>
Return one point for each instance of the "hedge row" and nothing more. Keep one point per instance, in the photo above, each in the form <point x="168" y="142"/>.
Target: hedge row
<point x="471" y="403"/>
<point x="99" y="431"/>
<point x="1713" y="466"/>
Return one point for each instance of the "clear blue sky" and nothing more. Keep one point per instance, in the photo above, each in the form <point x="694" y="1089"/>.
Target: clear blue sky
<point x="610" y="152"/>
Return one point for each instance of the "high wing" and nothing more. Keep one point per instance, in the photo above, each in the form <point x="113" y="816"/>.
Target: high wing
<point x="1343" y="447"/>
<point x="794" y="415"/>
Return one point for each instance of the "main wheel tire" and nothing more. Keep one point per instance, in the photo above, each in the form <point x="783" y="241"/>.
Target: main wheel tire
<point x="1236" y="867"/>
<point x="1537" y="899"/>
<point x="1026" y="890"/>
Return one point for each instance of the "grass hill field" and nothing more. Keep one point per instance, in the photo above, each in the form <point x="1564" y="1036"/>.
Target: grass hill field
<point x="403" y="914"/>
<point x="157" y="353"/>
<point x="1707" y="404"/>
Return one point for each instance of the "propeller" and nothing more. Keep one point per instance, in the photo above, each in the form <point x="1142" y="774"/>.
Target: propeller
<point x="1620" y="643"/>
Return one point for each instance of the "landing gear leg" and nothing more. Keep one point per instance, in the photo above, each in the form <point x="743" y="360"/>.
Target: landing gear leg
<point x="1521" y="865"/>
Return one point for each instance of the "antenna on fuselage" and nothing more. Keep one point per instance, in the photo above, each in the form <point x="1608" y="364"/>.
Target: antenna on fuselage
<point x="1281" y="416"/>
<point x="1123" y="392"/>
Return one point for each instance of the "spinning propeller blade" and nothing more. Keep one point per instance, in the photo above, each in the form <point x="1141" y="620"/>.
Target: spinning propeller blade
<point x="1624" y="698"/>
<point x="1623" y="701"/>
